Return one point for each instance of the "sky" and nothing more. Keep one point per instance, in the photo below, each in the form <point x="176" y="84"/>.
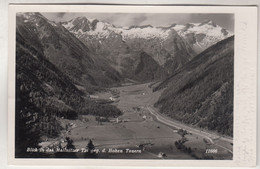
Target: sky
<point x="155" y="19"/>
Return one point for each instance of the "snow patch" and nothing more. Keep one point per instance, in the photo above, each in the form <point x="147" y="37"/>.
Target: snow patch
<point x="146" y="33"/>
<point x="103" y="30"/>
<point x="52" y="23"/>
<point x="213" y="33"/>
<point x="68" y="25"/>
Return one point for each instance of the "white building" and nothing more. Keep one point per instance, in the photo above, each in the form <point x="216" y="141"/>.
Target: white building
<point x="111" y="98"/>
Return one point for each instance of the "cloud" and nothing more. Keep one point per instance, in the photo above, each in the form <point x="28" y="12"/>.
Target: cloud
<point x="60" y="15"/>
<point x="138" y="20"/>
<point x="159" y="19"/>
<point x="118" y="19"/>
<point x="129" y="19"/>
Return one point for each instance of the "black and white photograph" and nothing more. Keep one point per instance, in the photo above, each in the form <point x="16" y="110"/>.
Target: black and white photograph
<point x="124" y="85"/>
<point x="110" y="85"/>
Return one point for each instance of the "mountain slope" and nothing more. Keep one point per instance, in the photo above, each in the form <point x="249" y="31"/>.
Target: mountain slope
<point x="116" y="43"/>
<point x="202" y="35"/>
<point x="45" y="92"/>
<point x="42" y="94"/>
<point x="201" y="92"/>
<point x="148" y="69"/>
<point x="66" y="52"/>
<point x="170" y="46"/>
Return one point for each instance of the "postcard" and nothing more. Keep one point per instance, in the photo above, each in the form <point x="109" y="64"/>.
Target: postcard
<point x="111" y="85"/>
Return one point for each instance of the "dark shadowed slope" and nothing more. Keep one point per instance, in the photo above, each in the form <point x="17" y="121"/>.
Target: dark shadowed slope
<point x="66" y="52"/>
<point x="42" y="94"/>
<point x="201" y="92"/>
<point x="45" y="92"/>
<point x="148" y="69"/>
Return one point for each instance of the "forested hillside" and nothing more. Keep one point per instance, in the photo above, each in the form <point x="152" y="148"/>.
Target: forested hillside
<point x="43" y="94"/>
<point x="66" y="52"/>
<point x="201" y="92"/>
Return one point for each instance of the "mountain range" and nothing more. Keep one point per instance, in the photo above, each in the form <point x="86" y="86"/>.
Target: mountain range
<point x="170" y="46"/>
<point x="200" y="35"/>
<point x="58" y="65"/>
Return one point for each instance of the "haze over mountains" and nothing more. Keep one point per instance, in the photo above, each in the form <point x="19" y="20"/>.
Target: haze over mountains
<point x="58" y="65"/>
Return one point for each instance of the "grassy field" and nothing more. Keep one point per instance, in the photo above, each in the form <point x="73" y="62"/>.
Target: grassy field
<point x="137" y="126"/>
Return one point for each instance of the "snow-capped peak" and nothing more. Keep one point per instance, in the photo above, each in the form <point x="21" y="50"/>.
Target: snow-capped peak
<point x="146" y="32"/>
<point x="82" y="25"/>
<point x="200" y="35"/>
<point x="34" y="17"/>
<point x="30" y="15"/>
<point x="207" y="27"/>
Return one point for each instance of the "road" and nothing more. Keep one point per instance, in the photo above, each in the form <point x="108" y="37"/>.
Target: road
<point x="137" y="130"/>
<point x="147" y="101"/>
<point x="210" y="137"/>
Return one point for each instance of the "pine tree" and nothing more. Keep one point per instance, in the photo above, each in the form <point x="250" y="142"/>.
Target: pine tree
<point x="27" y="132"/>
<point x="69" y="143"/>
<point x="90" y="145"/>
<point x="91" y="153"/>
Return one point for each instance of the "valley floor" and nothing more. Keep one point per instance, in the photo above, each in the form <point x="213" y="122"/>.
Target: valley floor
<point x="141" y="128"/>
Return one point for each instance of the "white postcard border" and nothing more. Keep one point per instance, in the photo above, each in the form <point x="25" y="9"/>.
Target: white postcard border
<point x="245" y="84"/>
